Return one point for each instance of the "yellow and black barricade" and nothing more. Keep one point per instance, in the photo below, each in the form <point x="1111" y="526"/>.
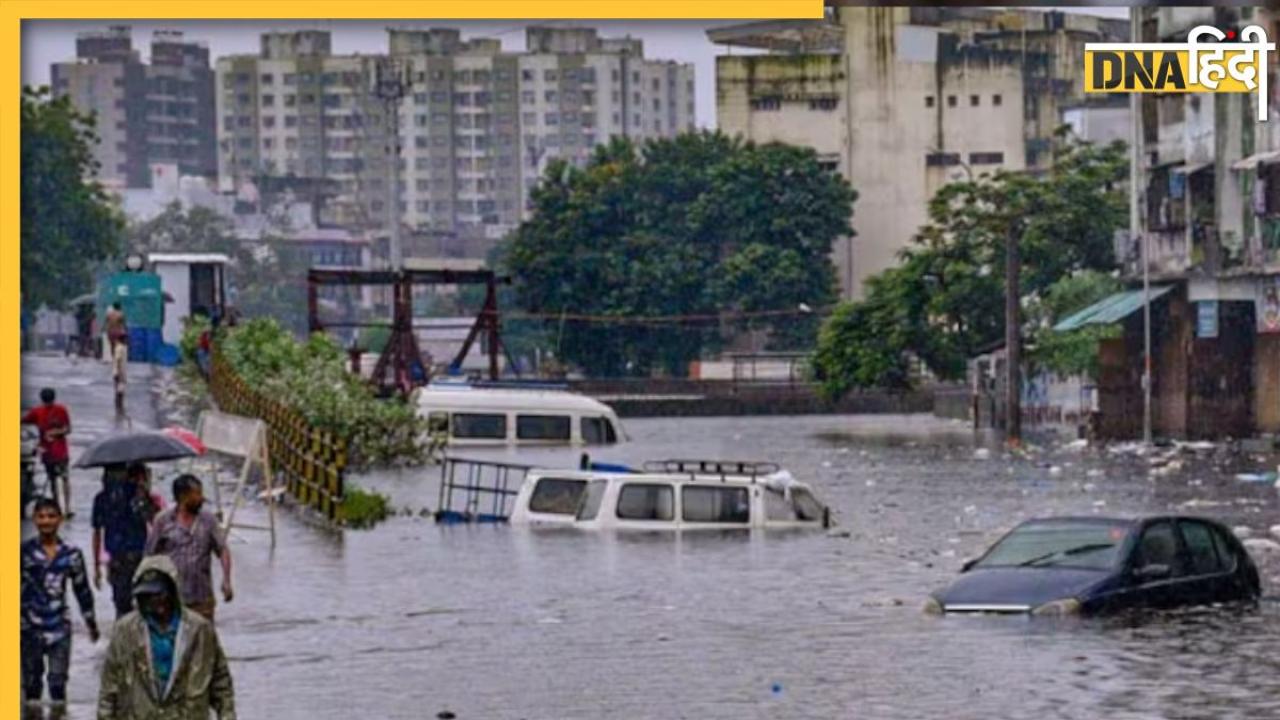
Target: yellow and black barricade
<point x="310" y="462"/>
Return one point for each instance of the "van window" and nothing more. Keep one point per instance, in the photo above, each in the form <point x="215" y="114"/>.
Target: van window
<point x="470" y="425"/>
<point x="776" y="506"/>
<point x="590" y="506"/>
<point x="807" y="507"/>
<point x="438" y="423"/>
<point x="715" y="504"/>
<point x="640" y="501"/>
<point x="556" y="496"/>
<point x="542" y="427"/>
<point x="598" y="431"/>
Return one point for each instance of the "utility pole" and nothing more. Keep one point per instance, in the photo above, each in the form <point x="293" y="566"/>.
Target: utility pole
<point x="391" y="84"/>
<point x="1012" y="335"/>
<point x="1136" y="155"/>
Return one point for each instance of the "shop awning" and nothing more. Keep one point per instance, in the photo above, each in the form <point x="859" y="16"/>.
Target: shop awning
<point x="1111" y="309"/>
<point x="1191" y="168"/>
<point x="1252" y="161"/>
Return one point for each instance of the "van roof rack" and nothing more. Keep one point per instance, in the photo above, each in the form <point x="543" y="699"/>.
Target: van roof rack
<point x="713" y="467"/>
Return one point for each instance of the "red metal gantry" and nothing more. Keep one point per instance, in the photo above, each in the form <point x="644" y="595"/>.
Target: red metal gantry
<point x="401" y="353"/>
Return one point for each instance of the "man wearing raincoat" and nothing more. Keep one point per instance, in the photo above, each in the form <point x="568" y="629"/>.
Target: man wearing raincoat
<point x="164" y="661"/>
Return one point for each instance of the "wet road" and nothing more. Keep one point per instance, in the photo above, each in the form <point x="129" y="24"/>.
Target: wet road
<point x="410" y="619"/>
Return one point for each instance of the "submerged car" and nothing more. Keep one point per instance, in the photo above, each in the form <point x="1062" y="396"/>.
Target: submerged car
<point x="1089" y="565"/>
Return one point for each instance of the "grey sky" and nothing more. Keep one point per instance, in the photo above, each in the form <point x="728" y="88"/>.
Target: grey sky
<point x="48" y="41"/>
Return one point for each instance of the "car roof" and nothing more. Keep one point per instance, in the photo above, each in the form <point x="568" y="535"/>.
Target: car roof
<point x="1115" y="520"/>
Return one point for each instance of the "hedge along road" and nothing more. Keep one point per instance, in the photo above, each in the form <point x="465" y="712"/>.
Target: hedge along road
<point x="411" y="619"/>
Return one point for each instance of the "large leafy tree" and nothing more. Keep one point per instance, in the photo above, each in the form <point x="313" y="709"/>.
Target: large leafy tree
<point x="698" y="225"/>
<point x="68" y="222"/>
<point x="945" y="301"/>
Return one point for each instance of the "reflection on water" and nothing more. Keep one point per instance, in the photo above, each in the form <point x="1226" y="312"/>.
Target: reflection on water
<point x="412" y="619"/>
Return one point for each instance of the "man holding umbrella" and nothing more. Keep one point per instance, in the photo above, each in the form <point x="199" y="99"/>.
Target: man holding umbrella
<point x="122" y="512"/>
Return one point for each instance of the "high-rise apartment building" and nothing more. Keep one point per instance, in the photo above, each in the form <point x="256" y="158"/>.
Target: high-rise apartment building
<point x="161" y="111"/>
<point x="477" y="125"/>
<point x="903" y="100"/>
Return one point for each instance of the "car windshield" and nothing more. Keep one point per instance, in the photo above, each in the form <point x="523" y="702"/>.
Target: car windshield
<point x="1059" y="544"/>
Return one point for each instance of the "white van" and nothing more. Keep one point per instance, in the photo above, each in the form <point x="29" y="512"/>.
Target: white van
<point x="470" y="416"/>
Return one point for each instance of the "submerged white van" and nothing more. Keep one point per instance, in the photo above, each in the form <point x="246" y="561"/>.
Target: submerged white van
<point x="476" y="416"/>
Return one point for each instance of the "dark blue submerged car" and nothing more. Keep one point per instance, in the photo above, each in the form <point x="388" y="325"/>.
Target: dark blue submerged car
<point x="1088" y="565"/>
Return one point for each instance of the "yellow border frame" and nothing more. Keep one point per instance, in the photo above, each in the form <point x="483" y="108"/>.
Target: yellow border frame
<point x="13" y="12"/>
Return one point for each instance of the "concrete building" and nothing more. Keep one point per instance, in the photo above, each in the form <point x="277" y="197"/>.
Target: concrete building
<point x="477" y="125"/>
<point x="1209" y="209"/>
<point x="902" y="100"/>
<point x="156" y="112"/>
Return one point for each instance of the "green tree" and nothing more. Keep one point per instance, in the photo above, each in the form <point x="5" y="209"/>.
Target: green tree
<point x="945" y="301"/>
<point x="700" y="224"/>
<point x="68" y="222"/>
<point x="1072" y="352"/>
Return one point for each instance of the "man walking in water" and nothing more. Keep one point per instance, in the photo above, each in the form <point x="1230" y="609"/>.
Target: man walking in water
<point x="54" y="423"/>
<point x="117" y="328"/>
<point x="190" y="536"/>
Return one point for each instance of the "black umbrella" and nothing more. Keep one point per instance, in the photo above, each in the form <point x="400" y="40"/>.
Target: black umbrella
<point x="134" y="447"/>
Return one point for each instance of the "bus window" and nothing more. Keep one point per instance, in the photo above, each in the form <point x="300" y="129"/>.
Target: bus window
<point x="542" y="427"/>
<point x="471" y="425"/>
<point x="598" y="431"/>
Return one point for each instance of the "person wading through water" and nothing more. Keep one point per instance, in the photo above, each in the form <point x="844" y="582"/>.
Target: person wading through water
<point x="47" y="565"/>
<point x="190" y="536"/>
<point x="122" y="514"/>
<point x="164" y="661"/>
<point x="54" y="423"/>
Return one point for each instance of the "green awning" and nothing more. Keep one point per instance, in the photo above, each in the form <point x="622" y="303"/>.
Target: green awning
<point x="1111" y="309"/>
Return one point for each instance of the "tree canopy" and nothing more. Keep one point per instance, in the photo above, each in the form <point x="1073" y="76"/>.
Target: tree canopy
<point x="698" y="225"/>
<point x="68" y="222"/>
<point x="945" y="301"/>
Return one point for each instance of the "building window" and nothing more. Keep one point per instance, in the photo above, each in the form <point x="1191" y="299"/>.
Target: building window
<point x="996" y="100"/>
<point x="266" y="78"/>
<point x="290" y="79"/>
<point x="528" y="97"/>
<point x="420" y="98"/>
<point x="290" y="121"/>
<point x="826" y="103"/>
<point x="290" y="100"/>
<point x="551" y="96"/>
<point x="424" y="206"/>
<point x="268" y="100"/>
<point x="986" y="158"/>
<point x="973" y="101"/>
<point x="942" y="159"/>
<point x="588" y="75"/>
<point x="928" y="101"/>
<point x="772" y="103"/>
<point x="462" y="76"/>
<point x="552" y="119"/>
<point x="951" y="101"/>
<point x="550" y="76"/>
<point x="420" y="142"/>
<point x="657" y="105"/>
<point x="268" y="121"/>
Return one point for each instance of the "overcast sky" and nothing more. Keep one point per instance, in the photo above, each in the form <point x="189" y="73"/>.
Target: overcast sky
<point x="48" y="41"/>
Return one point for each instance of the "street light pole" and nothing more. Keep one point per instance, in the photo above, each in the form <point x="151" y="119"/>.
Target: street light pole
<point x="1012" y="337"/>
<point x="1135" y="229"/>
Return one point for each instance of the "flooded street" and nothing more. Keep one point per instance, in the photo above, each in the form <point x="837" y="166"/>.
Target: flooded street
<point x="411" y="619"/>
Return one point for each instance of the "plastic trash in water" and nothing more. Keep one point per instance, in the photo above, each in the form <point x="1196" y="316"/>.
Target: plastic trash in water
<point x="1265" y="477"/>
<point x="776" y="689"/>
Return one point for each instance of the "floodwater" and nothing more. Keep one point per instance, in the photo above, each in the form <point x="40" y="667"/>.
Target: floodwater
<point x="411" y="619"/>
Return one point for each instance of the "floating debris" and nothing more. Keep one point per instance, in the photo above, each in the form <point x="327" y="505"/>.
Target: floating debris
<point x="1242" y="532"/>
<point x="982" y="454"/>
<point x="1265" y="477"/>
<point x="1261" y="545"/>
